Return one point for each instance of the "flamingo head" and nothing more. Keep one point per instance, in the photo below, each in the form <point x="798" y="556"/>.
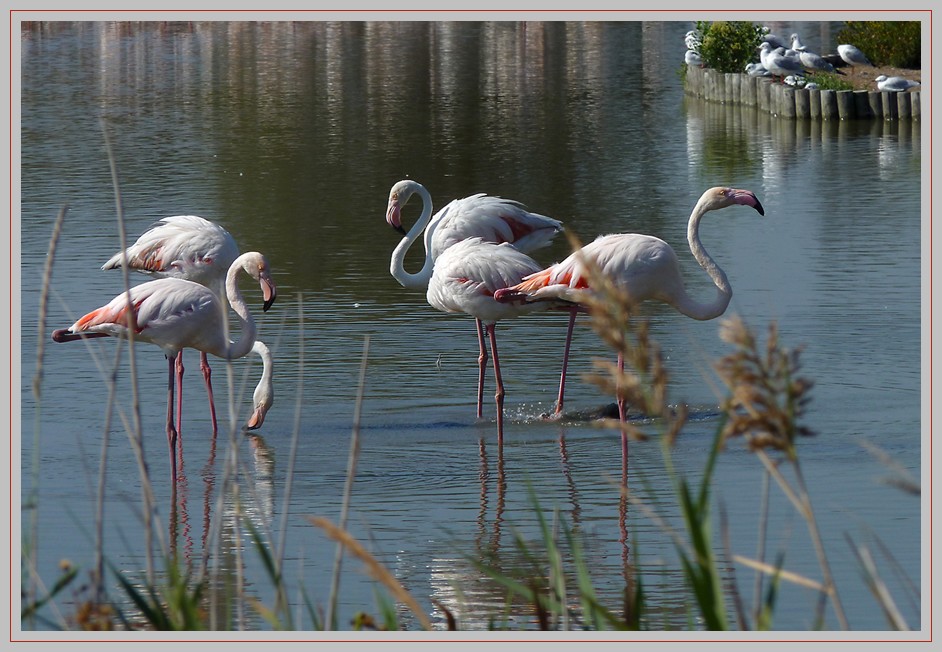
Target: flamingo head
<point x="398" y="197"/>
<point x="263" y="402"/>
<point x="721" y="197"/>
<point x="256" y="266"/>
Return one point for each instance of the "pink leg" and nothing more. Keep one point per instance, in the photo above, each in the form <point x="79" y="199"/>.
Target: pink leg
<point x="499" y="395"/>
<point x="621" y="414"/>
<point x="180" y="399"/>
<point x="207" y="373"/>
<point x="171" y="430"/>
<point x="482" y="363"/>
<point x="562" y="377"/>
<point x="618" y="399"/>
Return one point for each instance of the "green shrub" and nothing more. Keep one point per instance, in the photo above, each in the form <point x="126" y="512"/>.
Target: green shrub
<point x="728" y="46"/>
<point x="886" y="43"/>
<point x="827" y="81"/>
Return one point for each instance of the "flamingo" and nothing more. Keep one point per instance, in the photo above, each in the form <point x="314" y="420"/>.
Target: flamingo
<point x="188" y="247"/>
<point x="492" y="219"/>
<point x="644" y="266"/>
<point x="464" y="280"/>
<point x="174" y="314"/>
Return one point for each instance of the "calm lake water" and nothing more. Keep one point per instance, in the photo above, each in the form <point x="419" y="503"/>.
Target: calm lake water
<point x="291" y="135"/>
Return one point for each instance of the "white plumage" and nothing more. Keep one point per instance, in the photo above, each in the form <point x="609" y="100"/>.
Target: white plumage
<point x="852" y="55"/>
<point x="464" y="280"/>
<point x="895" y="84"/>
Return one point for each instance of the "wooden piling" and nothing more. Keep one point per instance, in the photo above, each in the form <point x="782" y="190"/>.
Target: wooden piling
<point x="904" y="106"/>
<point x="829" y="105"/>
<point x="802" y="104"/>
<point x="814" y="104"/>
<point x="845" y="105"/>
<point x="890" y="107"/>
<point x="862" y="104"/>
<point x="787" y="102"/>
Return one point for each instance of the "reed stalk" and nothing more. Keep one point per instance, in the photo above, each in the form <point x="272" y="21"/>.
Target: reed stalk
<point x="31" y="595"/>
<point x="136" y="433"/>
<point x="354" y="455"/>
<point x="292" y="457"/>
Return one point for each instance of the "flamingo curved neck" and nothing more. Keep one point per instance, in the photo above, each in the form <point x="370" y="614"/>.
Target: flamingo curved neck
<point x="724" y="292"/>
<point x="396" y="263"/>
<point x="246" y="341"/>
<point x="264" y="387"/>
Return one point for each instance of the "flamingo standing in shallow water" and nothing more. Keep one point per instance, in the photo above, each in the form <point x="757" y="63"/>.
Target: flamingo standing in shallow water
<point x="188" y="247"/>
<point x="492" y="219"/>
<point x="464" y="280"/>
<point x="175" y="314"/>
<point x="644" y="266"/>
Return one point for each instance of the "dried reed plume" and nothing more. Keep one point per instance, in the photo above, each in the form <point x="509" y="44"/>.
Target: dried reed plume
<point x="767" y="397"/>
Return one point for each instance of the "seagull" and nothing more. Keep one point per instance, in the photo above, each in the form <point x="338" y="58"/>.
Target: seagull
<point x="773" y="40"/>
<point x="895" y="84"/>
<point x="692" y="39"/>
<point x="852" y="55"/>
<point x="756" y="70"/>
<point x="779" y="64"/>
<point x="813" y="61"/>
<point x="691" y="58"/>
<point x="792" y="80"/>
<point x="797" y="44"/>
<point x="811" y="86"/>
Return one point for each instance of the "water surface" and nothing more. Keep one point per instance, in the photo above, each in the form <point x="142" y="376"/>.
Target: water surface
<point x="291" y="134"/>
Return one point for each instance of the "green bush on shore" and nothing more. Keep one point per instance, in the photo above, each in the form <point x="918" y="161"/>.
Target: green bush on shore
<point x="728" y="46"/>
<point x="886" y="43"/>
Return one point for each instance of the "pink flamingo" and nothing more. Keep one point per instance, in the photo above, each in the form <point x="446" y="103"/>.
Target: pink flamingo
<point x="642" y="265"/>
<point x="492" y="219"/>
<point x="187" y="247"/>
<point x="464" y="280"/>
<point x="175" y="314"/>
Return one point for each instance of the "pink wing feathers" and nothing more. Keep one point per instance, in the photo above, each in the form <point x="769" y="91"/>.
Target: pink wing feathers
<point x="183" y="246"/>
<point x="493" y="219"/>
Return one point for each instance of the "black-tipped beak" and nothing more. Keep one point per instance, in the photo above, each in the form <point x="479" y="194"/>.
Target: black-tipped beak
<point x="759" y="208"/>
<point x="269" y="293"/>
<point x="401" y="230"/>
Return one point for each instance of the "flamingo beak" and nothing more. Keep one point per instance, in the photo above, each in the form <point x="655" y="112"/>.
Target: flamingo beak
<point x="746" y="198"/>
<point x="257" y="419"/>
<point x="269" y="292"/>
<point x="393" y="216"/>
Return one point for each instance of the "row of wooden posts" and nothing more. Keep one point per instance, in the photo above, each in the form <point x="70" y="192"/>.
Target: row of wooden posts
<point x="789" y="102"/>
